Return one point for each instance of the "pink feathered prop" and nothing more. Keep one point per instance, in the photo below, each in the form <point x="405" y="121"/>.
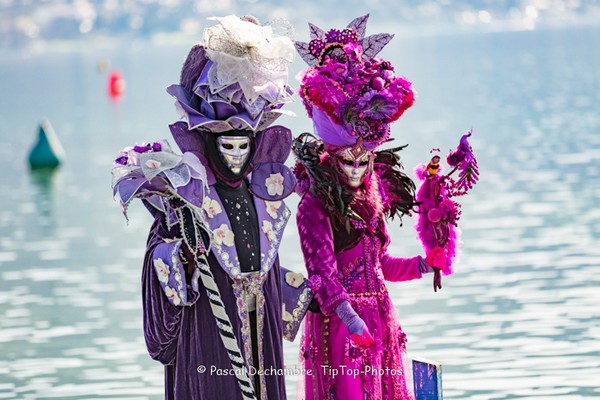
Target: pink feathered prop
<point x="437" y="224"/>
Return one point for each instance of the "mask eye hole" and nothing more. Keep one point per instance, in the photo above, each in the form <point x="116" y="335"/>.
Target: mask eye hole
<point x="244" y="146"/>
<point x="227" y="146"/>
<point x="363" y="163"/>
<point x="348" y="162"/>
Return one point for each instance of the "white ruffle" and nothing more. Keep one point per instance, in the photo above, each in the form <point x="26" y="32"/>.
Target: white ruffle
<point x="251" y="55"/>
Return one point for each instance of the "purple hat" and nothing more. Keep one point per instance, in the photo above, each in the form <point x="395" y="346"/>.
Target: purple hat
<point x="347" y="91"/>
<point x="236" y="79"/>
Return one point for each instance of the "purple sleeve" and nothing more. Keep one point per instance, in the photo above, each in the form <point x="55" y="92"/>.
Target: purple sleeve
<point x="397" y="269"/>
<point x="316" y="240"/>
<point x="165" y="292"/>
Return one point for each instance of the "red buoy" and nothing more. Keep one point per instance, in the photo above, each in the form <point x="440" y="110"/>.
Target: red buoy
<point x="116" y="84"/>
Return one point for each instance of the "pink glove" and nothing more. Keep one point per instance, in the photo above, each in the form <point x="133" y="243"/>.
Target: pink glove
<point x="438" y="259"/>
<point x="364" y="340"/>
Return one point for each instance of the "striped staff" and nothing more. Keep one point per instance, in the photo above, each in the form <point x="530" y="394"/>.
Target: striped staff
<point x="225" y="328"/>
<point x="196" y="235"/>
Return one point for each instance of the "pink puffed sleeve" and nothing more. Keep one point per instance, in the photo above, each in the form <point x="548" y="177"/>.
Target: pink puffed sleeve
<point x="396" y="269"/>
<point x="316" y="240"/>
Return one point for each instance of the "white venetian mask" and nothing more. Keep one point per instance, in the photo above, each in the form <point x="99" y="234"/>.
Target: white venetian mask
<point x="234" y="151"/>
<point x="354" y="167"/>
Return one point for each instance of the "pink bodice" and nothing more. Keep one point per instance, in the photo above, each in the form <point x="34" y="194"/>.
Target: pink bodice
<point x="356" y="271"/>
<point x="359" y="268"/>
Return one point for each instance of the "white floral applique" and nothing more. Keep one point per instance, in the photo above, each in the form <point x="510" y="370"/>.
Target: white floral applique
<point x="223" y="235"/>
<point x="267" y="227"/>
<point x="285" y="315"/>
<point x="272" y="207"/>
<point x="211" y="207"/>
<point x="178" y="278"/>
<point x="294" y="279"/>
<point x="172" y="295"/>
<point x="274" y="184"/>
<point x="152" y="164"/>
<point x="162" y="270"/>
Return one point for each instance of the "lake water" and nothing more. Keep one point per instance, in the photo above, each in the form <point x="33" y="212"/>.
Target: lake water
<point x="519" y="319"/>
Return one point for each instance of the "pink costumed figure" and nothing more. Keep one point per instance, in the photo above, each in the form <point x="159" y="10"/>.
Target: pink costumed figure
<point x="354" y="348"/>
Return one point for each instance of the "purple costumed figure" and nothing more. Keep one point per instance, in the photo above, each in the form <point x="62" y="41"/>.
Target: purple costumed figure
<point x="212" y="284"/>
<point x="355" y="348"/>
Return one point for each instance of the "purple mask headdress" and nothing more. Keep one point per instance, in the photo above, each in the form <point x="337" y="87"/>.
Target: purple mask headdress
<point x="347" y="91"/>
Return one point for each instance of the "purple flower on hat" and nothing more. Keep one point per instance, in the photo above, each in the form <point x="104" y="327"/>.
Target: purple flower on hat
<point x="377" y="106"/>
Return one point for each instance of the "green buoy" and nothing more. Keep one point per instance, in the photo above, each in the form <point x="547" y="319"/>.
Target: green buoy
<point x="47" y="153"/>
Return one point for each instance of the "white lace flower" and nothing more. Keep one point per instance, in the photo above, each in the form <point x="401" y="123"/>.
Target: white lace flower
<point x="250" y="55"/>
<point x="223" y="235"/>
<point x="267" y="227"/>
<point x="172" y="294"/>
<point x="162" y="270"/>
<point x="294" y="279"/>
<point x="152" y="164"/>
<point x="274" y="184"/>
<point x="272" y="207"/>
<point x="211" y="207"/>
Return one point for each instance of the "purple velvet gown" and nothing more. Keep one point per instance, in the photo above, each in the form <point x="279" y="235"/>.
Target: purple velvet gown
<point x="179" y="326"/>
<point x="339" y="369"/>
<point x="185" y="337"/>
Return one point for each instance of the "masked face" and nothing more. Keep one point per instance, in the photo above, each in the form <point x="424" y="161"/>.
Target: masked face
<point x="354" y="168"/>
<point x="234" y="151"/>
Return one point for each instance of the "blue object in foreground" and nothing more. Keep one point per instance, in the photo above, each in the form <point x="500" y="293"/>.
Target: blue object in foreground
<point x="47" y="153"/>
<point x="427" y="378"/>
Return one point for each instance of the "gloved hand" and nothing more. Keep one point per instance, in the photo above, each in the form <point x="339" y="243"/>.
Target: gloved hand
<point x="188" y="260"/>
<point x="364" y="340"/>
<point x="359" y="333"/>
<point x="437" y="258"/>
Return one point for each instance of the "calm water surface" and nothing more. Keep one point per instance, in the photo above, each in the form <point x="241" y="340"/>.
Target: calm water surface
<point x="520" y="319"/>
